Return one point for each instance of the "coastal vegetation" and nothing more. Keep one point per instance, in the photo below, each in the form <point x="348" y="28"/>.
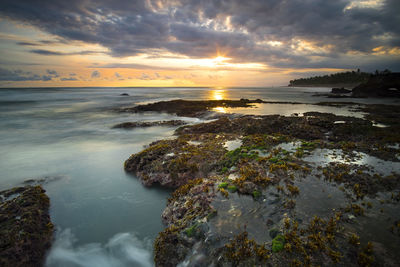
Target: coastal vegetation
<point x="340" y="78"/>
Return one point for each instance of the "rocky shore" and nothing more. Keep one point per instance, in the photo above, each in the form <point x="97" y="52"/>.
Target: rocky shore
<point x="26" y="229"/>
<point x="136" y="124"/>
<point x="190" y="108"/>
<point x="319" y="189"/>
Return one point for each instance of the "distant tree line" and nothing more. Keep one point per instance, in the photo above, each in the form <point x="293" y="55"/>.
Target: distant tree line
<point x="349" y="77"/>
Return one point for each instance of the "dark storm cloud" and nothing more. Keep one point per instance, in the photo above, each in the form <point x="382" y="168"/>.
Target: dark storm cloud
<point x="56" y="53"/>
<point x="46" y="52"/>
<point x="19" y="75"/>
<point x="200" y="28"/>
<point x="27" y="44"/>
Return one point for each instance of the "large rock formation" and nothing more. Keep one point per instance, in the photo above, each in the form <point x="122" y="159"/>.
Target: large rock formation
<point x="25" y="226"/>
<point x="381" y="85"/>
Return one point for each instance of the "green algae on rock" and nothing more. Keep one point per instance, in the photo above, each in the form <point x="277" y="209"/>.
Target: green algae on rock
<point x="228" y="202"/>
<point x="26" y="229"/>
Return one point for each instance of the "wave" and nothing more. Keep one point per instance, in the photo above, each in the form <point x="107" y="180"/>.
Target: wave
<point x="123" y="249"/>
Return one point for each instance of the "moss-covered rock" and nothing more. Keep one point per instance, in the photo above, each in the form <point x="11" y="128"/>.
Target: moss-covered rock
<point x="211" y="219"/>
<point x="25" y="226"/>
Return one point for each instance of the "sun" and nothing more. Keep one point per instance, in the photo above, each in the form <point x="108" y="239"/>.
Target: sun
<point x="220" y="60"/>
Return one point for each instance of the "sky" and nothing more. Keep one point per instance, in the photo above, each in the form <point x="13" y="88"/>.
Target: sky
<point x="223" y="43"/>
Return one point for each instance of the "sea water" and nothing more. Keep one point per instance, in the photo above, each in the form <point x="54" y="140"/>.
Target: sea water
<point x="63" y="139"/>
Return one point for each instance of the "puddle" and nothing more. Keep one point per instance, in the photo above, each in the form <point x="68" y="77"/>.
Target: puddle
<point x="8" y="198"/>
<point x="241" y="212"/>
<point x="194" y="143"/>
<point x="395" y="146"/>
<point x="290" y="147"/>
<point x="325" y="156"/>
<point x="380" y="125"/>
<point x="317" y="197"/>
<point x="289" y="109"/>
<point x="233" y="144"/>
<point x="377" y="222"/>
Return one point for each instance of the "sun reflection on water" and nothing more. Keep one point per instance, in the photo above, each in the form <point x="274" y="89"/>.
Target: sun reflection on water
<point x="217" y="94"/>
<point x="220" y="109"/>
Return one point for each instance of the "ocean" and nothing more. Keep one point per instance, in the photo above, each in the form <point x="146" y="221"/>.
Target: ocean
<point x="63" y="139"/>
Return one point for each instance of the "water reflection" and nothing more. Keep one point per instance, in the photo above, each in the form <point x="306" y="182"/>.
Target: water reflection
<point x="217" y="94"/>
<point x="290" y="110"/>
<point x="220" y="109"/>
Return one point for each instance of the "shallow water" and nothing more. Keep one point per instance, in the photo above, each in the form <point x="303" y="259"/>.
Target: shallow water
<point x="291" y="110"/>
<point x="324" y="156"/>
<point x="62" y="138"/>
<point x="241" y="213"/>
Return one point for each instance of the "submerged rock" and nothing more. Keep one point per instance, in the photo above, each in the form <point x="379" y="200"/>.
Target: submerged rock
<point x="25" y="226"/>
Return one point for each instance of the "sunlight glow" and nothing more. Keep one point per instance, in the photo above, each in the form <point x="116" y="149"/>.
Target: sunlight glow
<point x="220" y="109"/>
<point x="217" y="94"/>
<point x="220" y="60"/>
<point x="376" y="4"/>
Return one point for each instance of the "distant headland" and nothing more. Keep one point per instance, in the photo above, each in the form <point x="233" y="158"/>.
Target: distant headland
<point x="362" y="84"/>
<point x="349" y="79"/>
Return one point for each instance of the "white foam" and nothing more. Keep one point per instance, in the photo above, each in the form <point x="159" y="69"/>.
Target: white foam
<point x="123" y="249"/>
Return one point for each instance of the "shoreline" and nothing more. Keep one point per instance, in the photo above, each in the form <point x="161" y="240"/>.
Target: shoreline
<point x="248" y="160"/>
<point x="338" y="85"/>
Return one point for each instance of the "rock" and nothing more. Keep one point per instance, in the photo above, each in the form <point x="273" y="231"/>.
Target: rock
<point x="25" y="226"/>
<point x="247" y="188"/>
<point x="273" y="233"/>
<point x="380" y="85"/>
<point x="340" y="91"/>
<point x="198" y="162"/>
<point x="139" y="124"/>
<point x="188" y="108"/>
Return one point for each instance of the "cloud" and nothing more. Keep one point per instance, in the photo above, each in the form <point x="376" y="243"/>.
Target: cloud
<point x="295" y="33"/>
<point x="56" y="53"/>
<point x="119" y="76"/>
<point x="68" y="79"/>
<point x="46" y="52"/>
<point x="19" y="75"/>
<point x="27" y="44"/>
<point x="144" y="76"/>
<point x="96" y="74"/>
<point x="52" y="73"/>
<point x="134" y="66"/>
